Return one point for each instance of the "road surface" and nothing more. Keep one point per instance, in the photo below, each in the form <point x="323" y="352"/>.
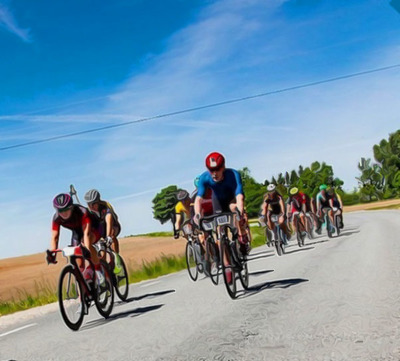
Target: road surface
<point x="334" y="299"/>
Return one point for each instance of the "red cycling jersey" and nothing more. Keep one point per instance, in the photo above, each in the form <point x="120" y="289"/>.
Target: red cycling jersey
<point x="79" y="218"/>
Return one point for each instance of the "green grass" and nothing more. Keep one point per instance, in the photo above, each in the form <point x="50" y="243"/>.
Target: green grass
<point x="45" y="292"/>
<point x="393" y="206"/>
<point x="153" y="234"/>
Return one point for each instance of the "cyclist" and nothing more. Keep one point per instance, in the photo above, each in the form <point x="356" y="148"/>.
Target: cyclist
<point x="77" y="219"/>
<point x="273" y="204"/>
<point x="227" y="195"/>
<point x="336" y="204"/>
<point x="105" y="222"/>
<point x="296" y="207"/>
<point x="182" y="210"/>
<point x="323" y="206"/>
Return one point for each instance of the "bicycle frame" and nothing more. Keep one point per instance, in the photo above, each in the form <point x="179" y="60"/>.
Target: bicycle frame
<point x="72" y="253"/>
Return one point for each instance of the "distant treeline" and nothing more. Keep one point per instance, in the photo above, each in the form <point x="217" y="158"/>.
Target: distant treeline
<point x="378" y="180"/>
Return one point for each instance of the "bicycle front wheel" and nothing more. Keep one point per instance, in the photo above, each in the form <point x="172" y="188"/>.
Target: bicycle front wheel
<point x="70" y="298"/>
<point x="104" y="293"/>
<point x="228" y="270"/>
<point x="244" y="273"/>
<point x="214" y="262"/>
<point x="191" y="263"/>
<point x="121" y="281"/>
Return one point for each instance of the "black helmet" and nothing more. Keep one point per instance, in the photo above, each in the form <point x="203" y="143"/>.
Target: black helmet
<point x="181" y="195"/>
<point x="92" y="196"/>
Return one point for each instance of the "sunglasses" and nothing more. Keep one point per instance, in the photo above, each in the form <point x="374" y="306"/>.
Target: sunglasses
<point x="217" y="169"/>
<point x="64" y="210"/>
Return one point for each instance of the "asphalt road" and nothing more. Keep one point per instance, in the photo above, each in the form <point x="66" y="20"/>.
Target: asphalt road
<point x="334" y="299"/>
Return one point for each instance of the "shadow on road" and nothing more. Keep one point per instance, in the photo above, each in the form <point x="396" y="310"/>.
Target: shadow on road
<point x="286" y="283"/>
<point x="258" y="255"/>
<point x="131" y="313"/>
<point x="148" y="295"/>
<point x="259" y="273"/>
<point x="300" y="249"/>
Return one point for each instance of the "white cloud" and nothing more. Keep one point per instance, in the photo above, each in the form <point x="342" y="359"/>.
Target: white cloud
<point x="8" y="22"/>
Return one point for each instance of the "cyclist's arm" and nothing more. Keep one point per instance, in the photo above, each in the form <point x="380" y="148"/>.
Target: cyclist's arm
<point x="240" y="203"/>
<point x="340" y="201"/>
<point x="264" y="209"/>
<point x="55" y="235"/>
<point x="86" y="227"/>
<point x="109" y="224"/>
<point x="197" y="205"/>
<point x="178" y="221"/>
<point x="283" y="208"/>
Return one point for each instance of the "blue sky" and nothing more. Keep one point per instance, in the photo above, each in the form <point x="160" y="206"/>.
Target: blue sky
<point x="66" y="68"/>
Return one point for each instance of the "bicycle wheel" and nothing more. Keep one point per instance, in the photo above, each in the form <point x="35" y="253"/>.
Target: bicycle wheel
<point x="328" y="226"/>
<point x="337" y="224"/>
<point x="104" y="294"/>
<point x="70" y="298"/>
<point x="191" y="262"/>
<point x="244" y="273"/>
<point x="268" y="237"/>
<point x="309" y="227"/>
<point x="121" y="281"/>
<point x="214" y="262"/>
<point x="278" y="242"/>
<point x="228" y="270"/>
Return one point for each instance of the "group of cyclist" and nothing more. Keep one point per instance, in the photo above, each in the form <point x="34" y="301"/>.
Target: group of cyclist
<point x="88" y="225"/>
<point x="220" y="189"/>
<point x="299" y="205"/>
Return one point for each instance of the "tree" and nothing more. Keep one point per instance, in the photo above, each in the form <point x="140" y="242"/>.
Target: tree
<point x="164" y="204"/>
<point x="371" y="180"/>
<point x="387" y="154"/>
<point x="253" y="191"/>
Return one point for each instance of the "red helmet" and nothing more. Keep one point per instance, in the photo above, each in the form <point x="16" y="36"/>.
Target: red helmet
<point x="215" y="161"/>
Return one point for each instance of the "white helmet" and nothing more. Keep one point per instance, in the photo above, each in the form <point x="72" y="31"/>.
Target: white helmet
<point x="271" y="187"/>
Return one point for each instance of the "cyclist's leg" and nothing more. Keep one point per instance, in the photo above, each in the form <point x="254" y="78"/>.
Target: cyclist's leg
<point x="115" y="231"/>
<point x="295" y="221"/>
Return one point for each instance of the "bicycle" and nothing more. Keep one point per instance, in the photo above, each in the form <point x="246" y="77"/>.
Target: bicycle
<point x="233" y="262"/>
<point x="300" y="230"/>
<point x="75" y="293"/>
<point x="120" y="279"/>
<point x="276" y="236"/>
<point x="193" y="254"/>
<point x="331" y="228"/>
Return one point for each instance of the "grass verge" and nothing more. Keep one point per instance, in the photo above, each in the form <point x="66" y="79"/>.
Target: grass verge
<point x="46" y="293"/>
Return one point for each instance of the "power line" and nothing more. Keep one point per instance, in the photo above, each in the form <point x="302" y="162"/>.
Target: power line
<point x="237" y="100"/>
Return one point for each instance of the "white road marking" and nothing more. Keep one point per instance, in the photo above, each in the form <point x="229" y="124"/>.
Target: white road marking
<point x="18" y="329"/>
<point x="150" y="284"/>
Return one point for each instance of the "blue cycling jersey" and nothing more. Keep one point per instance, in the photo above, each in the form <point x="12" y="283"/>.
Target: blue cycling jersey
<point x="226" y="190"/>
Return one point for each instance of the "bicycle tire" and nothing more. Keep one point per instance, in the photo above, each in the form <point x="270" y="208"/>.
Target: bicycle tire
<point x="214" y="262"/>
<point x="337" y="225"/>
<point x="328" y="226"/>
<point x="104" y="295"/>
<point x="191" y="263"/>
<point x="226" y="269"/>
<point x="68" y="274"/>
<point x="121" y="281"/>
<point x="244" y="273"/>
<point x="310" y="227"/>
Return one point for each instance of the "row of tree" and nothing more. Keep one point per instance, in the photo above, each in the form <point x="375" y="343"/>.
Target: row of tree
<point x="379" y="180"/>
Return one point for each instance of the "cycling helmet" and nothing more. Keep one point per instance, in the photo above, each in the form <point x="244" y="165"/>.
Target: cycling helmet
<point x="294" y="191"/>
<point x="181" y="195"/>
<point x="196" y="181"/>
<point x="330" y="190"/>
<point x="215" y="161"/>
<point x="271" y="187"/>
<point x="323" y="187"/>
<point x="62" y="201"/>
<point x="92" y="196"/>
